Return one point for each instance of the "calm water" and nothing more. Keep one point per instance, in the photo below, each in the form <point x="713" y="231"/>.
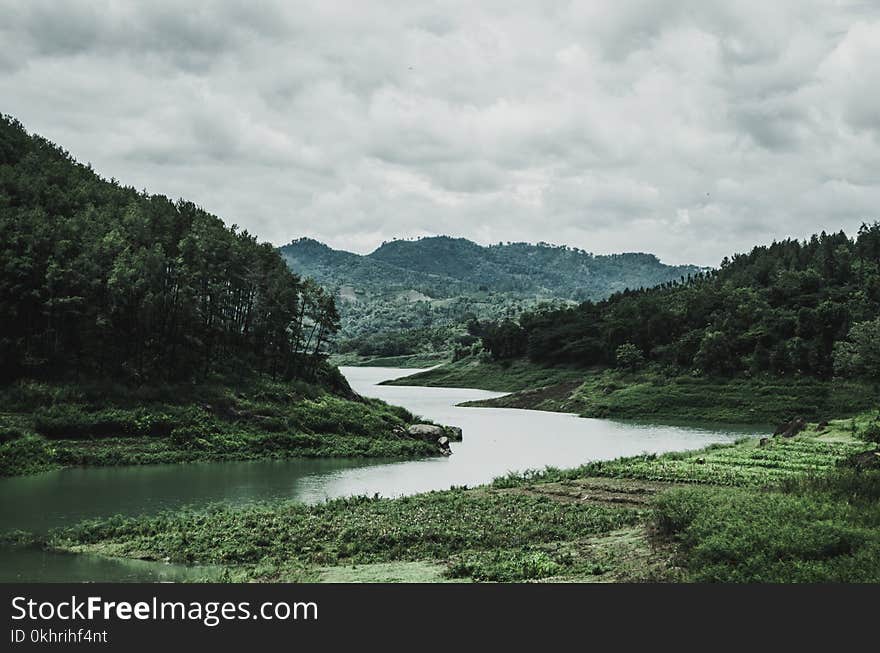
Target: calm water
<point x="496" y="441"/>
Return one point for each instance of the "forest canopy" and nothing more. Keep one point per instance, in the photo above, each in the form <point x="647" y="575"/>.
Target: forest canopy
<point x="793" y="307"/>
<point x="100" y="279"/>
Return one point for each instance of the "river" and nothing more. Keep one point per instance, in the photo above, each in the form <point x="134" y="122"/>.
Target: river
<point x="496" y="441"/>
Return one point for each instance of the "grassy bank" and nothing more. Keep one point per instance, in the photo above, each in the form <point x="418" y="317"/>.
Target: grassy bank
<point x="473" y="372"/>
<point x="783" y="510"/>
<point x="495" y="536"/>
<point x="43" y="426"/>
<point x="409" y="361"/>
<point x="652" y="395"/>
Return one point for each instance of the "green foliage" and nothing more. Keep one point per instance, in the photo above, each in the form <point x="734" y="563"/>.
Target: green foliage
<point x="783" y="310"/>
<point x="102" y="281"/>
<point x="393" y="301"/>
<point x="26" y="455"/>
<point x="97" y="425"/>
<point x="359" y="530"/>
<point x="70" y="421"/>
<point x="760" y="400"/>
<point x="501" y="376"/>
<point x="779" y="460"/>
<point x="740" y="465"/>
<point x="748" y="536"/>
<point x="860" y="353"/>
<point x="652" y="393"/>
<point x="505" y="566"/>
<point x="629" y="357"/>
<point x="871" y="433"/>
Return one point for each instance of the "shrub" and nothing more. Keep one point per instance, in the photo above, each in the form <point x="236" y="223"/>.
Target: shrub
<point x="504" y="566"/>
<point x="629" y="357"/>
<point x="25" y="455"/>
<point x="807" y="535"/>
<point x="871" y="433"/>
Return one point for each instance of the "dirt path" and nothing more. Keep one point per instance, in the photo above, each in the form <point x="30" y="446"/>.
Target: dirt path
<point x="621" y="492"/>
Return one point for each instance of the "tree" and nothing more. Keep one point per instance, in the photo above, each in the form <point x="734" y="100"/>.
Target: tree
<point x="629" y="357"/>
<point x="714" y="355"/>
<point x="860" y="353"/>
<point x="99" y="279"/>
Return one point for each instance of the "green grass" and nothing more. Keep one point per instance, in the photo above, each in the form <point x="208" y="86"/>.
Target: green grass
<point x="820" y="531"/>
<point x="408" y="361"/>
<point x="741" y="464"/>
<point x="474" y="372"/>
<point x="266" y="541"/>
<point x="759" y="401"/>
<point x="47" y="425"/>
<point x="385" y="572"/>
<point x="651" y="394"/>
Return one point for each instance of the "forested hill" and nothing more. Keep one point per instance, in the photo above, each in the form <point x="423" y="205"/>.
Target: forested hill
<point x="429" y="281"/>
<point x="791" y="308"/>
<point x="442" y="265"/>
<point x="102" y="280"/>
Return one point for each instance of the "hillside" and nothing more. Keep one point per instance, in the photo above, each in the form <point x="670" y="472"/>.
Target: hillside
<point x="424" y="284"/>
<point x="789" y="329"/>
<point x="140" y="330"/>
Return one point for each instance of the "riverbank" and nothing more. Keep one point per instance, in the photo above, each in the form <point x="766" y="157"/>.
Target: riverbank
<point x="649" y="395"/>
<point x="703" y="515"/>
<point x="407" y="361"/>
<point x="48" y="425"/>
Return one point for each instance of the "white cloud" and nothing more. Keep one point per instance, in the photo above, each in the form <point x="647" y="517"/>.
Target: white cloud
<point x="690" y="129"/>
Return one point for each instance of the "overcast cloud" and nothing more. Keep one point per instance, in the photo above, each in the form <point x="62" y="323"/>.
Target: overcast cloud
<point x="690" y="129"/>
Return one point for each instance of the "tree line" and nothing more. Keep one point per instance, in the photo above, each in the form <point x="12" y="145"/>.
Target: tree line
<point x="100" y="279"/>
<point x="793" y="307"/>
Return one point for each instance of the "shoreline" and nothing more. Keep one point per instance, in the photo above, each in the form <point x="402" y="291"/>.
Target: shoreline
<point x="650" y="395"/>
<point x="47" y="426"/>
<point x="614" y="536"/>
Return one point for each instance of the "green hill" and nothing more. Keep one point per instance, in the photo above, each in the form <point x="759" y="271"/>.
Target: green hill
<point x="412" y="296"/>
<point x="135" y="329"/>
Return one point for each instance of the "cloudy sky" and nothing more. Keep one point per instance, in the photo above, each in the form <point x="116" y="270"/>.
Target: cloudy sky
<point x="691" y="129"/>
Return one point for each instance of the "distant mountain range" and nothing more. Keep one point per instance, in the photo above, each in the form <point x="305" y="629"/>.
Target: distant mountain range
<point x="439" y="280"/>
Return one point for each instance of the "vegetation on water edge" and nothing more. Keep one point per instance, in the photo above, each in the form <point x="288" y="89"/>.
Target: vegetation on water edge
<point x="649" y="394"/>
<point x="789" y="510"/>
<point x="282" y="540"/>
<point x="408" y="361"/>
<point x="46" y="425"/>
<point x="482" y="373"/>
<point x="745" y="463"/>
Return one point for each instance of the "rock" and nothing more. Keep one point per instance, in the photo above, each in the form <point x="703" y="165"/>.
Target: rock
<point x="792" y="428"/>
<point x="426" y="432"/>
<point x="763" y="442"/>
<point x="439" y="435"/>
<point x="399" y="432"/>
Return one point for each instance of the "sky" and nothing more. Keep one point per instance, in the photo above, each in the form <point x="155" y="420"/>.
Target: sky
<point x="690" y="129"/>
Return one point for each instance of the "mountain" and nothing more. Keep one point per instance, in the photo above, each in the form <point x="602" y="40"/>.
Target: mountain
<point x="418" y="284"/>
